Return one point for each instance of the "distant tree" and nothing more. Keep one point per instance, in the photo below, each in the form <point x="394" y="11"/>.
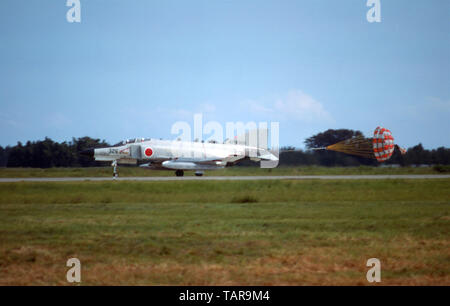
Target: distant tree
<point x="330" y="137"/>
<point x="296" y="158"/>
<point x="47" y="153"/>
<point x="418" y="155"/>
<point x="16" y="156"/>
<point x="64" y="156"/>
<point x="287" y="148"/>
<point x="2" y="157"/>
<point x="440" y="156"/>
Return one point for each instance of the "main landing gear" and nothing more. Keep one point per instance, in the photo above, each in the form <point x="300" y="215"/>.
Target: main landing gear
<point x="181" y="173"/>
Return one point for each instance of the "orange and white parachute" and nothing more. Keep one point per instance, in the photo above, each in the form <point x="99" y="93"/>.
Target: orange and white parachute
<point x="380" y="147"/>
<point x="383" y="144"/>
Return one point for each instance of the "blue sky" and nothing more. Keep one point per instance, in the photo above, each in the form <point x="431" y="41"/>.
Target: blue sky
<point x="133" y="68"/>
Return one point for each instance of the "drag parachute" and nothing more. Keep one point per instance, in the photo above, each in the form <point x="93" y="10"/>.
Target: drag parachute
<point x="383" y="144"/>
<point x="380" y="147"/>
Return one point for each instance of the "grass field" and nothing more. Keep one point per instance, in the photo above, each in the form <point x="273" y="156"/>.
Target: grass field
<point x="226" y="233"/>
<point x="136" y="171"/>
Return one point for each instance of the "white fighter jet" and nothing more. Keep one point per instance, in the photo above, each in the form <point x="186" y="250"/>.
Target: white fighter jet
<point x="181" y="155"/>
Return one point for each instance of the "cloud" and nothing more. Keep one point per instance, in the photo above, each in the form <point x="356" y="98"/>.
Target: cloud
<point x="207" y="108"/>
<point x="438" y="104"/>
<point x="57" y="120"/>
<point x="301" y="106"/>
<point x="8" y="122"/>
<point x="256" y="107"/>
<point x="294" y="105"/>
<point x="183" y="113"/>
<point x="431" y="107"/>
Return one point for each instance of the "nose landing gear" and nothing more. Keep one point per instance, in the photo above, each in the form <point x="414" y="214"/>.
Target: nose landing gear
<point x="115" y="173"/>
<point x="179" y="173"/>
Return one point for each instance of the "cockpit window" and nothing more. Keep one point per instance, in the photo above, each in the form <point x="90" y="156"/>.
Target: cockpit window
<point x="136" y="140"/>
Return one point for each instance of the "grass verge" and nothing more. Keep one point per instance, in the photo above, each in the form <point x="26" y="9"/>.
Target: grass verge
<point x="226" y="233"/>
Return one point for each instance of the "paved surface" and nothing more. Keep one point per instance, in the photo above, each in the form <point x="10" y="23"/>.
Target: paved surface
<point x="225" y="178"/>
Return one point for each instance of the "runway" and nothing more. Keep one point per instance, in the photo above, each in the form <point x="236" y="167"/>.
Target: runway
<point x="225" y="178"/>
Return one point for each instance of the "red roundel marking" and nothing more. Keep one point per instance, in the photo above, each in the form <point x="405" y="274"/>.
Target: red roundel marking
<point x="148" y="152"/>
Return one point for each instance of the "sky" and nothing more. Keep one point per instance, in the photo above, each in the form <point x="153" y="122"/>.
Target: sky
<point x="133" y="68"/>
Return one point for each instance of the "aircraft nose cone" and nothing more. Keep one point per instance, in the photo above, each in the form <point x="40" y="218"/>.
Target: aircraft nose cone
<point x="88" y="152"/>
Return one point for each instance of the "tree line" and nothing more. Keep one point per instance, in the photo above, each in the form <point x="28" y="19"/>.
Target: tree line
<point x="48" y="153"/>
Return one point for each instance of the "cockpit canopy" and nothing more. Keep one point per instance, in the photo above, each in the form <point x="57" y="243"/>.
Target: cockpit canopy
<point x="134" y="140"/>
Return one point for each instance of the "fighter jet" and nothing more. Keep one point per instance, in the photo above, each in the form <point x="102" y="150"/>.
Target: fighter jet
<point x="180" y="155"/>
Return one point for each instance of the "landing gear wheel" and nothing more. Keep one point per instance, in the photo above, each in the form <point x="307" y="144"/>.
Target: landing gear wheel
<point x="115" y="173"/>
<point x="198" y="173"/>
<point x="179" y="173"/>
